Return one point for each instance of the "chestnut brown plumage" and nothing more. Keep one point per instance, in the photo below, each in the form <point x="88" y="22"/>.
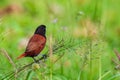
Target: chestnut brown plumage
<point x="36" y="44"/>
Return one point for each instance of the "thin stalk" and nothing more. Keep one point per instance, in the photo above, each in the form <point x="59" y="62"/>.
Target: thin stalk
<point x="100" y="68"/>
<point x="90" y="57"/>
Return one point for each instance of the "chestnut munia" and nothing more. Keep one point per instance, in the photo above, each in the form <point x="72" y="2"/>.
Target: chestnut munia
<point x="36" y="43"/>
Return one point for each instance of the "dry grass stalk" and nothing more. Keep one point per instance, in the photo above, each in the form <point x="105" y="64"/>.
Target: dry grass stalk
<point x="50" y="47"/>
<point x="4" y="52"/>
<point x="117" y="54"/>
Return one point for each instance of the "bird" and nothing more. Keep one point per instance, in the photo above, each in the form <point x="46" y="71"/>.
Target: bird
<point x="36" y="43"/>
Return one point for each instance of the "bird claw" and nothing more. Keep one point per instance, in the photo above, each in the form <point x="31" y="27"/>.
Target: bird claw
<point x="44" y="57"/>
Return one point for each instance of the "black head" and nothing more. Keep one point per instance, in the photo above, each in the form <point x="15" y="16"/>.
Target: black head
<point x="41" y="30"/>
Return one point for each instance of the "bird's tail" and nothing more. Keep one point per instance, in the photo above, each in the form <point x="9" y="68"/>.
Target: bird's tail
<point x="21" y="56"/>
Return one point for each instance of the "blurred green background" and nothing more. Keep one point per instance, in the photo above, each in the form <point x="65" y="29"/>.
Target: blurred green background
<point x="94" y="24"/>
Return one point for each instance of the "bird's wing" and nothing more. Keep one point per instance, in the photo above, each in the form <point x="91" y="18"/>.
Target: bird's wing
<point x="35" y="43"/>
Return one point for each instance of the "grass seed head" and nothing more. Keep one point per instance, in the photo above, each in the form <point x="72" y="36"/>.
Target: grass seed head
<point x="35" y="66"/>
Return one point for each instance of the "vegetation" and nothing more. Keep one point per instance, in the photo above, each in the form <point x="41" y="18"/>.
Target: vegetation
<point x="81" y="38"/>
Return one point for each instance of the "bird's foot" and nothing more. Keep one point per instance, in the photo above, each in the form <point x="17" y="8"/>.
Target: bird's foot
<point x="44" y="57"/>
<point x="34" y="59"/>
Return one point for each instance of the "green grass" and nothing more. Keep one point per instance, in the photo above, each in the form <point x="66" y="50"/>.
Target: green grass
<point x="89" y="30"/>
